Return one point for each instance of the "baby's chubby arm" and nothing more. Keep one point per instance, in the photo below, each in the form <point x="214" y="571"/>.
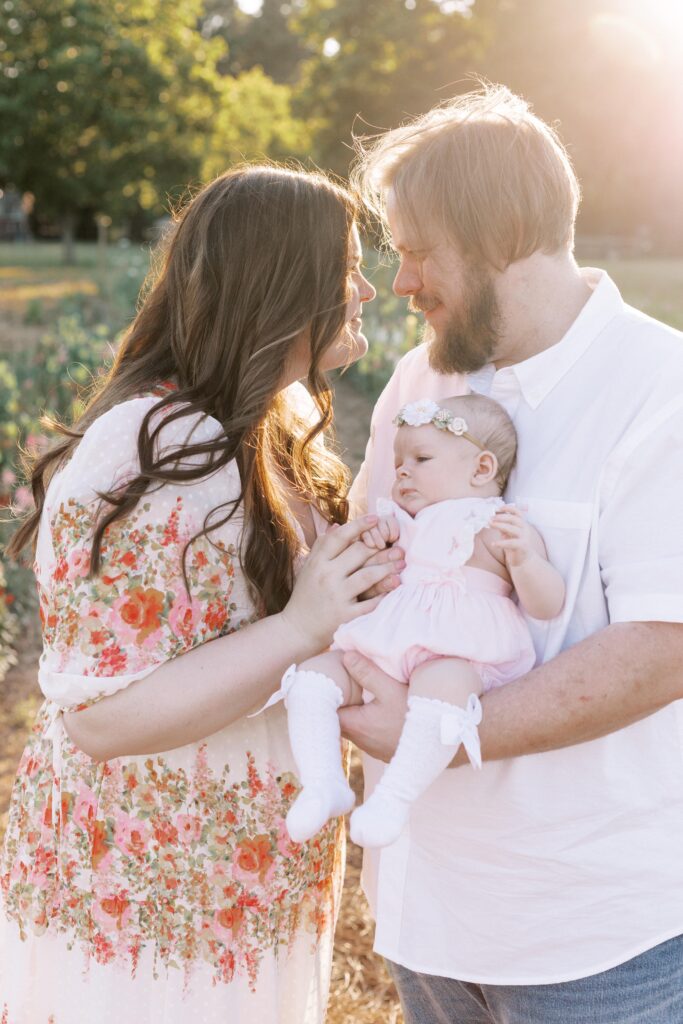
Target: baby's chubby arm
<point x="386" y="532"/>
<point x="538" y="584"/>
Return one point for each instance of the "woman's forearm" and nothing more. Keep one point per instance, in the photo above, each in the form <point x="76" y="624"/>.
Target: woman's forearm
<point x="192" y="696"/>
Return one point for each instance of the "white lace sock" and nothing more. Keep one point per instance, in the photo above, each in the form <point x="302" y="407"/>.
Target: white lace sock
<point x="432" y="732"/>
<point x="312" y="700"/>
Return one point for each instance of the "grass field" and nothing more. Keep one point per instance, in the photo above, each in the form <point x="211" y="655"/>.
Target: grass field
<point x="33" y="272"/>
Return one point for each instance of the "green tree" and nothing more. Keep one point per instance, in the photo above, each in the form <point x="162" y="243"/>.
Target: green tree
<point x="382" y="61"/>
<point x="266" y="39"/>
<point x="254" y="120"/>
<point x="101" y="102"/>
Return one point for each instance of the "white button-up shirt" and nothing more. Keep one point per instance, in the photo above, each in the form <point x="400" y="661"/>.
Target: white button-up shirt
<point x="555" y="866"/>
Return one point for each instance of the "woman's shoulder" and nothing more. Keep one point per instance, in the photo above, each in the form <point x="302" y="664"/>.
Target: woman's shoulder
<point x="125" y="418"/>
<point x="108" y="451"/>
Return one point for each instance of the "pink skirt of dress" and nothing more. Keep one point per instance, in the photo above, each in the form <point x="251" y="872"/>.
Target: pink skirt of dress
<point x="469" y="616"/>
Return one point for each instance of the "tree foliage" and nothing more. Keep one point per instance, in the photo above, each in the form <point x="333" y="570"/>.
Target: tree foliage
<point x="379" y="62"/>
<point x="113" y="105"/>
<point x="264" y="39"/>
<point x="103" y="103"/>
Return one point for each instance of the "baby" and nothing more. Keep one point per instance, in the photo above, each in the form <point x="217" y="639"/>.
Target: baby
<point x="450" y="630"/>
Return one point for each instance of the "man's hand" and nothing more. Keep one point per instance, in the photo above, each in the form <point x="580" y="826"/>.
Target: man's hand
<point x="374" y="727"/>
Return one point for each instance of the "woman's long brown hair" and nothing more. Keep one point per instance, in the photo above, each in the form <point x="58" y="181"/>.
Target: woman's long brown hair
<point x="255" y="262"/>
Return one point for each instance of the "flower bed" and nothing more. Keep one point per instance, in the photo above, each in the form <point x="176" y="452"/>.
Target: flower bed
<point x="45" y="378"/>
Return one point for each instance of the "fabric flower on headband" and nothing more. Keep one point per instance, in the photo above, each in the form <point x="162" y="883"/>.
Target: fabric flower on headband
<point x="425" y="411"/>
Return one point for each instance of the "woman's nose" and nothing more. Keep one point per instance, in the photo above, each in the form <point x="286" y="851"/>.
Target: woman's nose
<point x="367" y="291"/>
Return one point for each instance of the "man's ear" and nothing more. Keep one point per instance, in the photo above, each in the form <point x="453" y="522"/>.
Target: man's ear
<point x="485" y="470"/>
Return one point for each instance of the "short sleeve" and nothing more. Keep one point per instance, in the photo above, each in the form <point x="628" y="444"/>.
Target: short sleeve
<point x="640" y="538"/>
<point x="104" y="631"/>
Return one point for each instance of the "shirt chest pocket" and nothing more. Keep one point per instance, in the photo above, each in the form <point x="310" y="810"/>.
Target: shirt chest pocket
<point x="566" y="530"/>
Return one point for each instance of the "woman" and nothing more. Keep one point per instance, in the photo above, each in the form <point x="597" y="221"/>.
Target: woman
<point x="142" y="886"/>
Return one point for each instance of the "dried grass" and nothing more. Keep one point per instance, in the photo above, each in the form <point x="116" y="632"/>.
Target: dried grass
<point x="362" y="991"/>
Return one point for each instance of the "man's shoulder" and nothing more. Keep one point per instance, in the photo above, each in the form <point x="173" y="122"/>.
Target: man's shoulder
<point x="663" y="341"/>
<point x="413" y="378"/>
<point x="414" y="363"/>
<point x="642" y="354"/>
<point x="415" y="357"/>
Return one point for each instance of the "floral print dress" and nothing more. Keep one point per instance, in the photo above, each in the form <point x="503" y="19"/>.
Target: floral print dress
<point x="161" y="888"/>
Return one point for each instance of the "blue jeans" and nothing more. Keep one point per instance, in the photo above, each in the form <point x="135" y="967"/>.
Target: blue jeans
<point x="645" y="990"/>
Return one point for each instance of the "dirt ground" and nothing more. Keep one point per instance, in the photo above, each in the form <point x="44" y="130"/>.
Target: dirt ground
<point x="362" y="992"/>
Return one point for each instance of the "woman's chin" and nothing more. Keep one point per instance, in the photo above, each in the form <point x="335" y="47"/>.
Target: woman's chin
<point x="360" y="348"/>
<point x="350" y="350"/>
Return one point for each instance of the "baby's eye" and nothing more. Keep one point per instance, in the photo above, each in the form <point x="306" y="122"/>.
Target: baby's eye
<point x="423" y="458"/>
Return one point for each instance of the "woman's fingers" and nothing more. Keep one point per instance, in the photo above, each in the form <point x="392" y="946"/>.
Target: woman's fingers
<point x="384" y="586"/>
<point x="392" y="557"/>
<point x="366" y="578"/>
<point x="335" y="541"/>
<point x="394" y="560"/>
<point x="364" y="607"/>
<point x="357" y="555"/>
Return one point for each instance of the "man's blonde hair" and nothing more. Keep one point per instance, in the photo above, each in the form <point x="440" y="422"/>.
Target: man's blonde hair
<point x="480" y="167"/>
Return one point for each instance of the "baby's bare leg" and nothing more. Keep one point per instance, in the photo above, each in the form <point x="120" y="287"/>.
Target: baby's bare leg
<point x="443" y="712"/>
<point x="331" y="664"/>
<point x="447" y="679"/>
<point x="314" y="692"/>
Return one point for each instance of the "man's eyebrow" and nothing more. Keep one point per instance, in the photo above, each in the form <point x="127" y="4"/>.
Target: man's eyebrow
<point x="405" y="250"/>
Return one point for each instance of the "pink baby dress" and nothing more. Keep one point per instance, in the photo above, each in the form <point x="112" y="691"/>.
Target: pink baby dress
<point x="443" y="607"/>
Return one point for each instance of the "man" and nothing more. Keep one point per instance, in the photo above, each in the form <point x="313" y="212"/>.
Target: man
<point x="548" y="888"/>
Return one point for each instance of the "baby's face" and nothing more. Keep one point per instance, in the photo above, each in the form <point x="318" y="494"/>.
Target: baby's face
<point x="432" y="465"/>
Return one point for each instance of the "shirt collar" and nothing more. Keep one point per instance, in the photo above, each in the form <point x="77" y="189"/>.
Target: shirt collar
<point x="536" y="377"/>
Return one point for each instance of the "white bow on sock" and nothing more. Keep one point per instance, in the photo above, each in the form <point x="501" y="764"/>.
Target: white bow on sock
<point x="432" y="732"/>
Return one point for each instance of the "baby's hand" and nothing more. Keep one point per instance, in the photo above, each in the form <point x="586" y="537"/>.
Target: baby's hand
<point x="518" y="542"/>
<point x="385" y="532"/>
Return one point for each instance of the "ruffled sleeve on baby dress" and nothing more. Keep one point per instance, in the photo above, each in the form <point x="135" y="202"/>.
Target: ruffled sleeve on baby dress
<point x="102" y="633"/>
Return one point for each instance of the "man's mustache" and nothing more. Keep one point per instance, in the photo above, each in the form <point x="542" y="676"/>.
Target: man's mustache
<point x="422" y="303"/>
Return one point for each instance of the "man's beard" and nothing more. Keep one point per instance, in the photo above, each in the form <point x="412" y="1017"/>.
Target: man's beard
<point x="470" y="338"/>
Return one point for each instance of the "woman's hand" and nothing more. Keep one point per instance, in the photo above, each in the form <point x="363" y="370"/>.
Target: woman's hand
<point x="331" y="581"/>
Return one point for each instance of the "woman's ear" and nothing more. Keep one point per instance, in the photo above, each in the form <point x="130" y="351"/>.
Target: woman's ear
<point x="485" y="470"/>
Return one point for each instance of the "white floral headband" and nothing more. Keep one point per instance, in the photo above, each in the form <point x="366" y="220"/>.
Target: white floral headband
<point x="426" y="411"/>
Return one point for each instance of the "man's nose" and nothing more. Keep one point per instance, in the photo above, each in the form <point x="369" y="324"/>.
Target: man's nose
<point x="407" y="281"/>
